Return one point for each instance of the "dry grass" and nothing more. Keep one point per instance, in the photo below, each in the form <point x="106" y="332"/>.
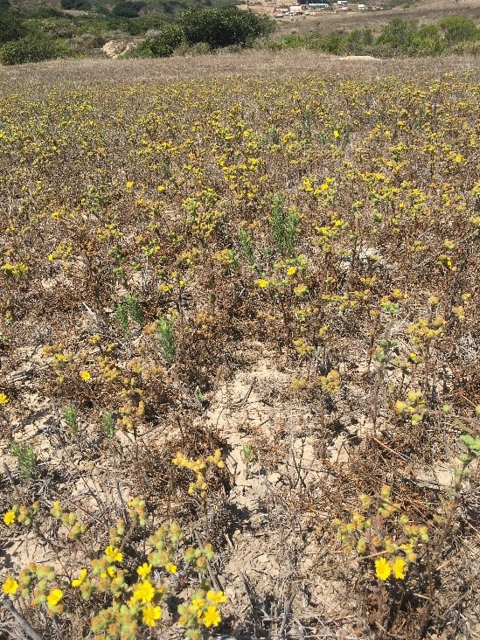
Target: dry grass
<point x="292" y="215"/>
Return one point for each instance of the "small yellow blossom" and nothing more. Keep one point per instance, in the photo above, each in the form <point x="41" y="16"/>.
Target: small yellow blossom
<point x="171" y="568"/>
<point x="76" y="582"/>
<point x="263" y="284"/>
<point x="10" y="586"/>
<point x="382" y="569"/>
<point x="3" y="398"/>
<point x="143" y="592"/>
<point x="9" y="518"/>
<point x="113" y="554"/>
<point x="144" y="570"/>
<point x="291" y="271"/>
<point x="54" y="597"/>
<point x="399" y="568"/>
<point x="212" y="617"/>
<point x="216" y="598"/>
<point x="85" y="375"/>
<point x="198" y="603"/>
<point x="336" y="134"/>
<point x="150" y="614"/>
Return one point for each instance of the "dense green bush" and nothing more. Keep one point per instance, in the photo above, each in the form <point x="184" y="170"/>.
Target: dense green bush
<point x="397" y="36"/>
<point x="224" y="27"/>
<point x="11" y="28"/>
<point x="456" y="29"/>
<point x="161" y="44"/>
<point x="79" y="5"/>
<point x="32" y="48"/>
<point x="127" y="9"/>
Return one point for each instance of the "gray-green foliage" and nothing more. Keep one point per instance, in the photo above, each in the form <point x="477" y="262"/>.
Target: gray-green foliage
<point x="284" y="227"/>
<point x="166" y="337"/>
<point x="71" y="418"/>
<point x="26" y="458"/>
<point x="108" y="423"/>
<point x="134" y="309"/>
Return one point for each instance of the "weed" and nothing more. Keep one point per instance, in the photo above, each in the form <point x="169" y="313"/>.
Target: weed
<point x="26" y="458"/>
<point x="284" y="227"/>
<point x="134" y="309"/>
<point x="166" y="337"/>
<point x="108" y="423"/>
<point x="70" y="416"/>
<point x="121" y="311"/>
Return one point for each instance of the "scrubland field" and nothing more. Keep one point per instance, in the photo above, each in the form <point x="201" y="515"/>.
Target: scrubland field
<point x="239" y="383"/>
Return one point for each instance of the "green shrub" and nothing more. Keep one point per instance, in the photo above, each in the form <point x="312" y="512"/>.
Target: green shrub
<point x="31" y="48"/>
<point x="11" y="28"/>
<point x="223" y="27"/>
<point x="127" y="9"/>
<point x="427" y="42"/>
<point x="163" y="44"/>
<point x="457" y="29"/>
<point x="397" y="36"/>
<point x="79" y="5"/>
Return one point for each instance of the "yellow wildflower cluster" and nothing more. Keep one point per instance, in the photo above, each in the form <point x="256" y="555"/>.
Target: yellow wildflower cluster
<point x="379" y="529"/>
<point x="199" y="467"/>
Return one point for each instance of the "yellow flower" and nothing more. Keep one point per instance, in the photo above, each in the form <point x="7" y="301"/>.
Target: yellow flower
<point x="291" y="271"/>
<point x="113" y="554"/>
<point x="216" y="598"/>
<point x="76" y="582"/>
<point x="3" y="398"/>
<point x="143" y="592"/>
<point x="150" y="614"/>
<point x="10" y="586"/>
<point x="261" y="283"/>
<point x="129" y="185"/>
<point x="198" y="603"/>
<point x="382" y="569"/>
<point x="144" y="570"/>
<point x="85" y="375"/>
<point x="399" y="568"/>
<point x="9" y="517"/>
<point x="336" y="134"/>
<point x="212" y="617"/>
<point x="54" y="597"/>
<point x="171" y="568"/>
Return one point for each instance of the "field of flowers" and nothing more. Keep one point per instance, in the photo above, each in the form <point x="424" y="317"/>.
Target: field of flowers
<point x="239" y="382"/>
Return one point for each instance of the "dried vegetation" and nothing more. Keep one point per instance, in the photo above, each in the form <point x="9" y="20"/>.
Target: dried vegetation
<point x="280" y="267"/>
